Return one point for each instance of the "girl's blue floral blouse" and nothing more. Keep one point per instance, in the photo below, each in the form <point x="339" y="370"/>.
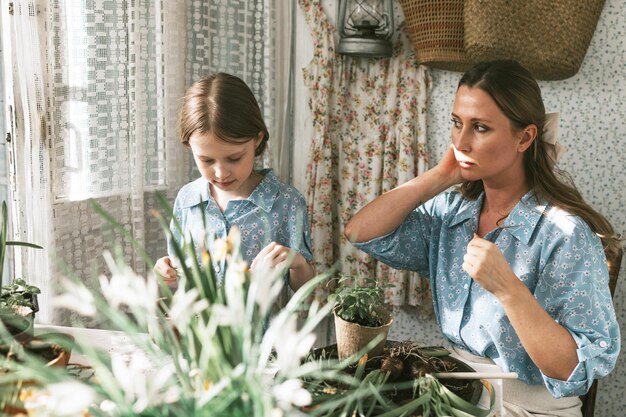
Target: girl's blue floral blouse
<point x="555" y="254"/>
<point x="274" y="211"/>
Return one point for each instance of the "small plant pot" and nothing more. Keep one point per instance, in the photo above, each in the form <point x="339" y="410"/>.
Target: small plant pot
<point x="353" y="337"/>
<point x="20" y="327"/>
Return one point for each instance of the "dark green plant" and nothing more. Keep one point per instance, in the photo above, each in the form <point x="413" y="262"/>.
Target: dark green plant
<point x="9" y="294"/>
<point x="19" y="294"/>
<point x="360" y="300"/>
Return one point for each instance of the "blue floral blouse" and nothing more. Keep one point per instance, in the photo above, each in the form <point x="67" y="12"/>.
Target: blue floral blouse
<point x="555" y="254"/>
<point x="274" y="211"/>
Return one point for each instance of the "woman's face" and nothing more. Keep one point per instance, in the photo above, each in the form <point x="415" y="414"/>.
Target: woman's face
<point x="485" y="144"/>
<point x="227" y="166"/>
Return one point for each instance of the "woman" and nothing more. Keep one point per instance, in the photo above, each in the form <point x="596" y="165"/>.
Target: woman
<point x="515" y="256"/>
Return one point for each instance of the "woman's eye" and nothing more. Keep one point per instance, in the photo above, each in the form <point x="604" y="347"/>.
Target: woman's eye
<point x="457" y="124"/>
<point x="234" y="159"/>
<point x="480" y="128"/>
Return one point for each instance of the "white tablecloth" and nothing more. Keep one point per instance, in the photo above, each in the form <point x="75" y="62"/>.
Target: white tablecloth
<point x="116" y="343"/>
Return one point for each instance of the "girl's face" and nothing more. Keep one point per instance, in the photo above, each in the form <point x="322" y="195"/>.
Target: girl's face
<point x="227" y="166"/>
<point x="485" y="144"/>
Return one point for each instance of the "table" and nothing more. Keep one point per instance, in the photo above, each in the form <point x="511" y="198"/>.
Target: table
<point x="115" y="342"/>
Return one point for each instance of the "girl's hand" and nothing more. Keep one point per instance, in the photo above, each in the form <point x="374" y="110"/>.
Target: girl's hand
<point x="165" y="267"/>
<point x="448" y="167"/>
<point x="275" y="256"/>
<point x="488" y="267"/>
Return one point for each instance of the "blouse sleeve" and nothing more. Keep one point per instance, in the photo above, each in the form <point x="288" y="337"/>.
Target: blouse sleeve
<point x="300" y="228"/>
<point x="176" y="234"/>
<point x="408" y="246"/>
<point x="573" y="288"/>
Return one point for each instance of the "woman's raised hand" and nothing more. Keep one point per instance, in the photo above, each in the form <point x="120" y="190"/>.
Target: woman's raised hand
<point x="448" y="167"/>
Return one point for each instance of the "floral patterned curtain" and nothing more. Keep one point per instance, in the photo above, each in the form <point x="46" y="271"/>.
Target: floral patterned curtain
<point x="369" y="121"/>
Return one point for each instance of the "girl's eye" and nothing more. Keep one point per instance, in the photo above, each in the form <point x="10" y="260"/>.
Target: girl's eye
<point x="207" y="161"/>
<point x="234" y="159"/>
<point x="457" y="124"/>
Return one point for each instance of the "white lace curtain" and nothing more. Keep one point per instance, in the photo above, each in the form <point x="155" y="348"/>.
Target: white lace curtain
<point x="95" y="91"/>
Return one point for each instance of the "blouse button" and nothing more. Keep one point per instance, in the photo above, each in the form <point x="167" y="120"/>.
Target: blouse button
<point x="602" y="344"/>
<point x="466" y="286"/>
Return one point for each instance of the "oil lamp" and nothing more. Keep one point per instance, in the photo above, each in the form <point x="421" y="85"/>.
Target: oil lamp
<point x="365" y="27"/>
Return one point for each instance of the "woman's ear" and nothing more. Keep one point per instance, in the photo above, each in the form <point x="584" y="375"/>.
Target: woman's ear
<point x="527" y="136"/>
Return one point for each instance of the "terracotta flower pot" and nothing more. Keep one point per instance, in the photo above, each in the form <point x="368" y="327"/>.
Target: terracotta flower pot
<point x="352" y="337"/>
<point x="48" y="348"/>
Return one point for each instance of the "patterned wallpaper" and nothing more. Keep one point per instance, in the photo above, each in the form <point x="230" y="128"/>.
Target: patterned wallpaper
<point x="593" y="129"/>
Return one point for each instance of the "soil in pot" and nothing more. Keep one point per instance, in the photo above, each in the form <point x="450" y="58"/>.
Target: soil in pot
<point x="407" y="361"/>
<point x="54" y="349"/>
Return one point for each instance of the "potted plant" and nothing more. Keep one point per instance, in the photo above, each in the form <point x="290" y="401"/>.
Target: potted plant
<point x="193" y="352"/>
<point x="198" y="352"/>
<point x="18" y="305"/>
<point x="360" y="315"/>
<point x="18" y="300"/>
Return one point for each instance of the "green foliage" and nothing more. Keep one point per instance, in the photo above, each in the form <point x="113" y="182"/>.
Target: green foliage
<point x="367" y="394"/>
<point x="204" y="350"/>
<point x="19" y="294"/>
<point x="4" y="242"/>
<point x="360" y="300"/>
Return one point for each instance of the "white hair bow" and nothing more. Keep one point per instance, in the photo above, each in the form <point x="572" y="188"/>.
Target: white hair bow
<point x="550" y="136"/>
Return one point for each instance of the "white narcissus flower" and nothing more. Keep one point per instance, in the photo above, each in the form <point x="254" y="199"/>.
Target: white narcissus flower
<point x="62" y="399"/>
<point x="125" y="287"/>
<point x="235" y="274"/>
<point x="277" y="412"/>
<point x="290" y="394"/>
<point x="228" y="315"/>
<point x="185" y="304"/>
<point x="265" y="286"/>
<point x="220" y="249"/>
<point x="234" y="237"/>
<point x="108" y="407"/>
<point x="290" y="345"/>
<point x="76" y="297"/>
<point x="144" y="383"/>
<point x="234" y="279"/>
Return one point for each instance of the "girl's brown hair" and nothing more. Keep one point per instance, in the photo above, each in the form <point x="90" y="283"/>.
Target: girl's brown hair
<point x="223" y="105"/>
<point x="518" y="96"/>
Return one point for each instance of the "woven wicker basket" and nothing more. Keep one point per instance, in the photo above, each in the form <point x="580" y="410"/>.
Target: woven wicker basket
<point x="549" y="37"/>
<point x="436" y="31"/>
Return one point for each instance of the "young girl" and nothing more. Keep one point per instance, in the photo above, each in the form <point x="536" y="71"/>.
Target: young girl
<point x="221" y="122"/>
<point x="516" y="258"/>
